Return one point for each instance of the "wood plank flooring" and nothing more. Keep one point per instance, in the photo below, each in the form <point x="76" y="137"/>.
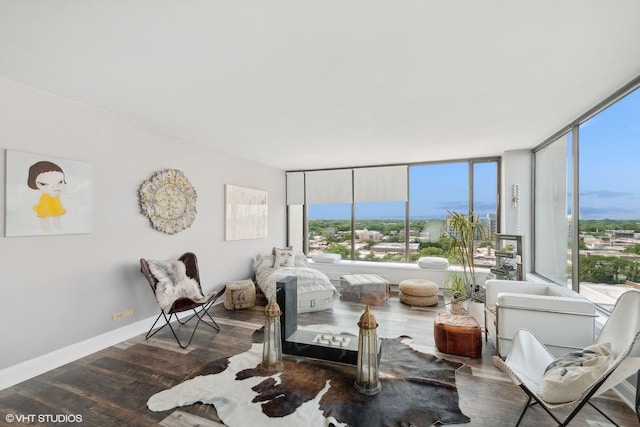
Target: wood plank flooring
<point x="111" y="387"/>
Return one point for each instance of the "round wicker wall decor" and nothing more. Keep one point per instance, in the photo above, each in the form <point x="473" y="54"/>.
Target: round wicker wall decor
<point x="169" y="200"/>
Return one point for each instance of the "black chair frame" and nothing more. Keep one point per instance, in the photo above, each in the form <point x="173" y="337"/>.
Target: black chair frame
<point x="536" y="401"/>
<point x="200" y="308"/>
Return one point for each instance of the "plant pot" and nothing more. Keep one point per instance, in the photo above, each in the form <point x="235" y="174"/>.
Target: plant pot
<point x="459" y="306"/>
<point x="476" y="309"/>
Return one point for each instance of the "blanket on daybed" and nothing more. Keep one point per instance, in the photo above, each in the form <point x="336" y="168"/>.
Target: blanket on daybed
<point x="309" y="280"/>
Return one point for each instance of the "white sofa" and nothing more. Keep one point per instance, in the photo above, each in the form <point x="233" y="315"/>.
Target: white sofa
<point x="561" y="318"/>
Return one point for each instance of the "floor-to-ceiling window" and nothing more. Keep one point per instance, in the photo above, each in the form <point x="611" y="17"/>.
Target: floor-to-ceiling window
<point x="380" y="231"/>
<point x="552" y="205"/>
<point x="485" y="205"/>
<point x="385" y="225"/>
<point x="592" y="168"/>
<point x="435" y="190"/>
<point x="440" y="189"/>
<point x="330" y="229"/>
<point x="610" y="200"/>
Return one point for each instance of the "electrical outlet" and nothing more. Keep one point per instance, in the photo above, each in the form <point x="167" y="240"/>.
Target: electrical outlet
<point x="122" y="314"/>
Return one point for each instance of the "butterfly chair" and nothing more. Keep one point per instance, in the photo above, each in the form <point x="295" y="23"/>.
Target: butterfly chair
<point x="527" y="361"/>
<point x="199" y="305"/>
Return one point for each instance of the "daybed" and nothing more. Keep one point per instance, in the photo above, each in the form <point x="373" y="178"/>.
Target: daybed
<point x="315" y="291"/>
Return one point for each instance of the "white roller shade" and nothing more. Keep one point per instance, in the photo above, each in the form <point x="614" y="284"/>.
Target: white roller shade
<point x="295" y="188"/>
<point x="380" y="184"/>
<point x="332" y="186"/>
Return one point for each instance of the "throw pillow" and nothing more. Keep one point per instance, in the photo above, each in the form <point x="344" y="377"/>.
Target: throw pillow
<point x="262" y="262"/>
<point x="284" y="257"/>
<point x="301" y="260"/>
<point x="567" y="377"/>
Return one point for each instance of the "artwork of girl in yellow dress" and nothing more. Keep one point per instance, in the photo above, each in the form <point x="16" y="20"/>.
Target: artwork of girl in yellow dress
<point x="49" y="179"/>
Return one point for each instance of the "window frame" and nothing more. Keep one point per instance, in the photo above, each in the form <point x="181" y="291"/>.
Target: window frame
<point x="471" y="162"/>
<point x="573" y="128"/>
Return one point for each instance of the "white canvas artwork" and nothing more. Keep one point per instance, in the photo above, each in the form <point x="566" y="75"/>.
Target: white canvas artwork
<point x="245" y="213"/>
<point x="47" y="195"/>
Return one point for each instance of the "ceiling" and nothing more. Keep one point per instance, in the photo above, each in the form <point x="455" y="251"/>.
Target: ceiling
<point x="301" y="84"/>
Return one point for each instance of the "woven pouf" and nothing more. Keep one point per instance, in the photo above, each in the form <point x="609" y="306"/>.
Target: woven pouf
<point x="459" y="335"/>
<point x="418" y="292"/>
<point x="239" y="295"/>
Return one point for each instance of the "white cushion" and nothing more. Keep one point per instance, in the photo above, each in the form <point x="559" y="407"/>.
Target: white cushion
<point x="301" y="260"/>
<point x="546" y="303"/>
<point x="566" y="378"/>
<point x="327" y="257"/>
<point x="433" y="263"/>
<point x="562" y="291"/>
<point x="262" y="262"/>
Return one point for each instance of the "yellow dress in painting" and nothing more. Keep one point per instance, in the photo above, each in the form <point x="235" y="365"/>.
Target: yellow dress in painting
<point x="49" y="206"/>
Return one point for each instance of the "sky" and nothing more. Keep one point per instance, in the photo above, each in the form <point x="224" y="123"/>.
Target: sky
<point x="609" y="176"/>
<point x="610" y="162"/>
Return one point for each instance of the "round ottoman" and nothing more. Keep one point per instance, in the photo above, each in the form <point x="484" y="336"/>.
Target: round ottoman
<point x="418" y="292"/>
<point x="240" y="294"/>
<point x="459" y="335"/>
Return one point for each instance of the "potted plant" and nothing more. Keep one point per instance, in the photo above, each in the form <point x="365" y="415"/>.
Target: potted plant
<point x="455" y="287"/>
<point x="464" y="229"/>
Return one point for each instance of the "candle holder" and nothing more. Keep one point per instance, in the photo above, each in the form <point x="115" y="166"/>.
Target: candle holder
<point x="272" y="347"/>
<point x="367" y="375"/>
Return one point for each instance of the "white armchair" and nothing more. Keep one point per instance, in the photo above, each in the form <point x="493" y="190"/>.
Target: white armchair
<point x="561" y="318"/>
<point x="527" y="364"/>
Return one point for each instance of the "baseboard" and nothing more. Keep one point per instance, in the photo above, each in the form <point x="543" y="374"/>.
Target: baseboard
<point x="39" y="365"/>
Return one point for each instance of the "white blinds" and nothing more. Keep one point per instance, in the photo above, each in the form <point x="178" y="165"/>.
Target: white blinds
<point x="375" y="184"/>
<point x="295" y="188"/>
<point x="380" y="184"/>
<point x="331" y="186"/>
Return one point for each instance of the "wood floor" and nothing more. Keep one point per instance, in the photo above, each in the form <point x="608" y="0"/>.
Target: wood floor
<point x="111" y="387"/>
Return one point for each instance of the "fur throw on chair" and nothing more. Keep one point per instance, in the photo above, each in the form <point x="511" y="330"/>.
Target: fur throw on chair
<point x="173" y="283"/>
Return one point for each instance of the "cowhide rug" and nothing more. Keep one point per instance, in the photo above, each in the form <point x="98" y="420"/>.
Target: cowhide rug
<point x="418" y="389"/>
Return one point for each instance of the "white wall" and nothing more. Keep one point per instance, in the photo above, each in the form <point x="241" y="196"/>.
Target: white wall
<point x="516" y="169"/>
<point x="60" y="290"/>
